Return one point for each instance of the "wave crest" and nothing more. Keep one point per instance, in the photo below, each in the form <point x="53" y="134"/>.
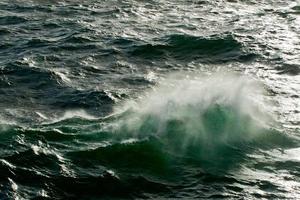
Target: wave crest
<point x="199" y="114"/>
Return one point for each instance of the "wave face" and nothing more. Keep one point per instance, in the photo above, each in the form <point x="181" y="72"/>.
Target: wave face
<point x="157" y="99"/>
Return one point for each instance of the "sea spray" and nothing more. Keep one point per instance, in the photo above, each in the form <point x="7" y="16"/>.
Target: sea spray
<point x="199" y="115"/>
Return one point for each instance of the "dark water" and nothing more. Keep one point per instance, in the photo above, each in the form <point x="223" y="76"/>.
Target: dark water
<point x="149" y="99"/>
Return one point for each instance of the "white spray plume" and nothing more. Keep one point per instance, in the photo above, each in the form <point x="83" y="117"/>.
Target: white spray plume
<point x="212" y="109"/>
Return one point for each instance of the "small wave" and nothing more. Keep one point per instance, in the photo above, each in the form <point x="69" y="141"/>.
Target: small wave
<point x="90" y="99"/>
<point x="5" y="31"/>
<point x="296" y="9"/>
<point x="49" y="135"/>
<point x="76" y="47"/>
<point x="37" y="43"/>
<point x="213" y="48"/>
<point x="74" y="115"/>
<point x="150" y="154"/>
<point x="291" y="69"/>
<point x="76" y="39"/>
<point x="5" y="45"/>
<point x="43" y="83"/>
<point x="110" y="184"/>
<point x="11" y="20"/>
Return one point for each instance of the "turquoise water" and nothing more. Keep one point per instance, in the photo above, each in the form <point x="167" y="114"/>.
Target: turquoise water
<point x="149" y="99"/>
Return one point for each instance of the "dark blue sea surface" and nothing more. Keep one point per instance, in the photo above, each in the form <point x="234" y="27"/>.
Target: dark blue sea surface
<point x="127" y="99"/>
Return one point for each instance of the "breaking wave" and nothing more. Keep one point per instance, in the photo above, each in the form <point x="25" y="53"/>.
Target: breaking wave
<point x="211" y="121"/>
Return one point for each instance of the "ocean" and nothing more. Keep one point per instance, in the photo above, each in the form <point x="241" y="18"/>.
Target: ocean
<point x="157" y="99"/>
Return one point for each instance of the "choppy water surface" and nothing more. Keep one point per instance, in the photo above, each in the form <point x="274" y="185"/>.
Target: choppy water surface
<point x="148" y="99"/>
